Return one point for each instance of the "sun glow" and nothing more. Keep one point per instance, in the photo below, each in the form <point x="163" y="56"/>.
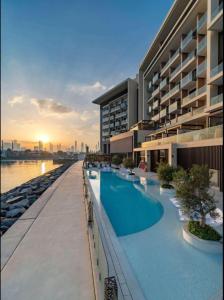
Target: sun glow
<point x="43" y="138"/>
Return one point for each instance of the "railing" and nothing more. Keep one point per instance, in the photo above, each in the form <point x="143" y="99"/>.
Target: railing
<point x="105" y="112"/>
<point x="150" y="85"/>
<point x="117" y="123"/>
<point x="173" y="107"/>
<point x="170" y="93"/>
<point x="188" y="58"/>
<point x="216" y="70"/>
<point x="172" y="58"/>
<point x="105" y="126"/>
<point x="189" y="37"/>
<point x="155" y="104"/>
<point x="105" y="119"/>
<point x="202" y="21"/>
<point x="124" y="122"/>
<point x="154" y="93"/>
<point x="163" y="113"/>
<point x="115" y="108"/>
<point x="194" y="94"/>
<point x="201" y="68"/>
<point x="121" y="115"/>
<point x="190" y="114"/>
<point x="216" y="10"/>
<point x="202" y="44"/>
<point x="155" y="78"/>
<point x="216" y="99"/>
<point x="175" y="72"/>
<point x="196" y="135"/>
<point x="112" y="125"/>
<point x="156" y="117"/>
<point x="164" y="83"/>
<point x="188" y="78"/>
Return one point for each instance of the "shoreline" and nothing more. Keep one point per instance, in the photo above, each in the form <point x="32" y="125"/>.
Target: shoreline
<point x="17" y="200"/>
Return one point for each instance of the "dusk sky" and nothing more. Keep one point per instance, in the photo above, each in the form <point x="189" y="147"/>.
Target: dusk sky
<point x="57" y="56"/>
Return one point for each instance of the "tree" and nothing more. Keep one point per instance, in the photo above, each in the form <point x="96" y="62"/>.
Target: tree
<point x="192" y="188"/>
<point x="116" y="160"/>
<point x="165" y="174"/>
<point x="128" y="163"/>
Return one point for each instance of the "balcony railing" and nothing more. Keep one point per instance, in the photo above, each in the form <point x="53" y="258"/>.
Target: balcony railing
<point x="202" y="44"/>
<point x="216" y="10"/>
<point x="155" y="78"/>
<point x="170" y="93"/>
<point x="150" y="85"/>
<point x="202" y="21"/>
<point x="154" y="93"/>
<point x="188" y="58"/>
<point x="170" y="61"/>
<point x="175" y="72"/>
<point x="124" y="122"/>
<point x="105" y="119"/>
<point x="216" y="99"/>
<point x="189" y="37"/>
<point x="156" y="117"/>
<point x="105" y="112"/>
<point x="195" y="135"/>
<point x="201" y="68"/>
<point x="155" y="104"/>
<point x="194" y="94"/>
<point x="188" y="78"/>
<point x="164" y="83"/>
<point x="115" y="109"/>
<point x="173" y="107"/>
<point x="216" y="70"/>
<point x="120" y="115"/>
<point x="163" y="113"/>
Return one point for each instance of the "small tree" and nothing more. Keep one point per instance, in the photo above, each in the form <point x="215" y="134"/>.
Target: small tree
<point x="165" y="174"/>
<point x="116" y="160"/>
<point x="193" y="190"/>
<point x="128" y="163"/>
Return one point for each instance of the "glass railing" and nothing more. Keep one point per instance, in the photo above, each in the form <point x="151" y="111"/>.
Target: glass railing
<point x="172" y="58"/>
<point x="187" y="79"/>
<point x="155" y="104"/>
<point x="189" y="37"/>
<point x="163" y="113"/>
<point x="150" y="85"/>
<point x="164" y="83"/>
<point x="188" y="58"/>
<point x="216" y="99"/>
<point x="201" y="68"/>
<point x="175" y="72"/>
<point x="156" y="117"/>
<point x="202" y="44"/>
<point x="155" y="77"/>
<point x="194" y="94"/>
<point x="202" y="21"/>
<point x="195" y="135"/>
<point x="216" y="70"/>
<point x="171" y="92"/>
<point x="216" y="10"/>
<point x="105" y="112"/>
<point x="105" y="119"/>
<point x="155" y="92"/>
<point x="173" y="107"/>
<point x="121" y="115"/>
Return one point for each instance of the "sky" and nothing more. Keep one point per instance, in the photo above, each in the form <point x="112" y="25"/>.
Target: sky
<point x="57" y="56"/>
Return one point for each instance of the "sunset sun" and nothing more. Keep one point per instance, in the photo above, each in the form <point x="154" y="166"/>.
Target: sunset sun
<point x="43" y="138"/>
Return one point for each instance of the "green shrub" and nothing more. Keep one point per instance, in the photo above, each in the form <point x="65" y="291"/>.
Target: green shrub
<point x="128" y="163"/>
<point x="116" y="160"/>
<point x="205" y="233"/>
<point x="165" y="174"/>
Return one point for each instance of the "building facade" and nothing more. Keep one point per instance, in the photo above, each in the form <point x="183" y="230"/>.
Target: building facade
<point x="118" y="111"/>
<point x="181" y="87"/>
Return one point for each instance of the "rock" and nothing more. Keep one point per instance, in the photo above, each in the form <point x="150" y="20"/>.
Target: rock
<point x="16" y="212"/>
<point x="14" y="199"/>
<point x="22" y="203"/>
<point x="8" y="222"/>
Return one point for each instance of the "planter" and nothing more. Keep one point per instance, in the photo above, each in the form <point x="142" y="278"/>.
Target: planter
<point x="203" y="245"/>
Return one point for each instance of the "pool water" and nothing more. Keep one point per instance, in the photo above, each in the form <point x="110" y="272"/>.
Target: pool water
<point x="128" y="208"/>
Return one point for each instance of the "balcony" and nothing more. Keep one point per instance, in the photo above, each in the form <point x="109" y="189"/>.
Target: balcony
<point x="194" y="96"/>
<point x="202" y="47"/>
<point x="173" y="107"/>
<point x="188" y="61"/>
<point x="216" y="99"/>
<point x="216" y="70"/>
<point x="105" y="119"/>
<point x="155" y="78"/>
<point x="155" y="105"/>
<point x="163" y="113"/>
<point x="164" y="83"/>
<point x="175" y="72"/>
<point x="202" y="24"/>
<point x="155" y="92"/>
<point x="150" y="86"/>
<point x="201" y="69"/>
<point x="105" y="127"/>
<point x="171" y="93"/>
<point x="124" y="122"/>
<point x="195" y="135"/>
<point x="111" y="125"/>
<point x="117" y="124"/>
<point x="155" y="118"/>
<point x="115" y="109"/>
<point x="188" y="80"/>
<point x="189" y="41"/>
<point x="217" y="17"/>
<point x="170" y="61"/>
<point x="105" y="112"/>
<point x="122" y="114"/>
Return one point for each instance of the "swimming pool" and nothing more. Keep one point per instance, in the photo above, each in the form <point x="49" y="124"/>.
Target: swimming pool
<point x="165" y="266"/>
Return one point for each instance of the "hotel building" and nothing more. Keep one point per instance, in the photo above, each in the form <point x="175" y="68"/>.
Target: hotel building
<point x="181" y="87"/>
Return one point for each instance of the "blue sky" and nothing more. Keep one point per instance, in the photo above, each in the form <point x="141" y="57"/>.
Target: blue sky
<point x="59" y="55"/>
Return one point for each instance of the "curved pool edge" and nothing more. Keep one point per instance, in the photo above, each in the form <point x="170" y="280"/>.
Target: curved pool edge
<point x="123" y="270"/>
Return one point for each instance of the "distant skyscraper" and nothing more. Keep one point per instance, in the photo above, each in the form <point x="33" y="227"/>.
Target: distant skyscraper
<point x="41" y="146"/>
<point x="76" y="149"/>
<point x="59" y="147"/>
<point x="82" y="147"/>
<point x="51" y="147"/>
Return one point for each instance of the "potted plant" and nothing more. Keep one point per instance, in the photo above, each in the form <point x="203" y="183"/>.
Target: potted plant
<point x="116" y="160"/>
<point x="192" y="188"/>
<point x="165" y="174"/>
<point x="129" y="164"/>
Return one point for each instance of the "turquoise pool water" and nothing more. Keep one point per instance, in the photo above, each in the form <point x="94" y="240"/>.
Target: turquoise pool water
<point x="166" y="267"/>
<point x="128" y="209"/>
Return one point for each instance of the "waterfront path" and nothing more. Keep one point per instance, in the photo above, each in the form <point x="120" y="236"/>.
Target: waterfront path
<point x="45" y="254"/>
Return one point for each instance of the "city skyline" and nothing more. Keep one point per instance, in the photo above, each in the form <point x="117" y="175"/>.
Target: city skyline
<point x="49" y="75"/>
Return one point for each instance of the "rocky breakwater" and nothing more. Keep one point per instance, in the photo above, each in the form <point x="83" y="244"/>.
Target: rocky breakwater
<point x="16" y="201"/>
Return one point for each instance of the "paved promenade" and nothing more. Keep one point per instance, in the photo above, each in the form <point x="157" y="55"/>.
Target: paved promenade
<point x="45" y="254"/>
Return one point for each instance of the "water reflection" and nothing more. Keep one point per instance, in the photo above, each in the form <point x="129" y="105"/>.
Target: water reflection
<point x="43" y="168"/>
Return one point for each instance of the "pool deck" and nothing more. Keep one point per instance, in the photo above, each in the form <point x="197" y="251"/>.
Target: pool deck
<point x="45" y="254"/>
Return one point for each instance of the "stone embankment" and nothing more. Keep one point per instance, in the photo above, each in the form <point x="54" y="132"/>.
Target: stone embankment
<point x="16" y="201"/>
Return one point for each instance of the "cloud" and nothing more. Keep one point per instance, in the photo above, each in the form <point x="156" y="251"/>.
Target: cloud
<point x="50" y="106"/>
<point x="87" y="89"/>
<point x="16" y="100"/>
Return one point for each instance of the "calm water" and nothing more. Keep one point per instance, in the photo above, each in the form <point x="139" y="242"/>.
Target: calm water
<point x="16" y="172"/>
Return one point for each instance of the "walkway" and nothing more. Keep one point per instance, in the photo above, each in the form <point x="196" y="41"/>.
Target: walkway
<point x="45" y="254"/>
